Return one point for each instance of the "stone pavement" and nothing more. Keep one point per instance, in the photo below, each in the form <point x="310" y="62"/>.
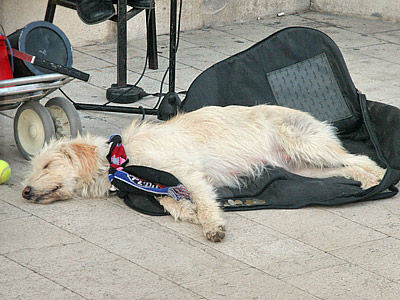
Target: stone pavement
<point x="101" y="249"/>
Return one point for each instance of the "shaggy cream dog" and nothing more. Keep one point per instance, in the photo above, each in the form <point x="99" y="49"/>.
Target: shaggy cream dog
<point x="204" y="149"/>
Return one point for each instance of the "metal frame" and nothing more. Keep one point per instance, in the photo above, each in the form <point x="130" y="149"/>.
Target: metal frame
<point x="122" y="17"/>
<point x="14" y="91"/>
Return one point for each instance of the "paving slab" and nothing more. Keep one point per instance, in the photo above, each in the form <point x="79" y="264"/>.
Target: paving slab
<point x="92" y="61"/>
<point x="219" y="41"/>
<point x="385" y="51"/>
<point x="20" y="282"/>
<point x="346" y="282"/>
<point x="392" y="36"/>
<point x="255" y="244"/>
<point x="352" y="23"/>
<point x="31" y="233"/>
<point x="382" y="216"/>
<point x="252" y="31"/>
<point x="200" y="57"/>
<point x="97" y="214"/>
<point x="9" y="211"/>
<point x="316" y="227"/>
<point x="380" y="257"/>
<point x="182" y="258"/>
<point x="95" y="273"/>
<point x="247" y="284"/>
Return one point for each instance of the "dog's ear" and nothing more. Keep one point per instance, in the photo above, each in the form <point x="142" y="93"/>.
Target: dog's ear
<point x="87" y="156"/>
<point x="67" y="152"/>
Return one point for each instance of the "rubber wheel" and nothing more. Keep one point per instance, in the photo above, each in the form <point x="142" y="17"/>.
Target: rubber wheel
<point x="65" y="117"/>
<point x="33" y="127"/>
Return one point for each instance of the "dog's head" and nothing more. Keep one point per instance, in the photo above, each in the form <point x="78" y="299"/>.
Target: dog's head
<point x="60" y="170"/>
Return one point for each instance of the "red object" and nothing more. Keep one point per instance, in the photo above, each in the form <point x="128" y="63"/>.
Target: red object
<point x="118" y="157"/>
<point x="5" y="67"/>
<point x="22" y="55"/>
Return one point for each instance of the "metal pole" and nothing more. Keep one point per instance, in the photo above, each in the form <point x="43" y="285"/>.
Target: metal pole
<point x="117" y="109"/>
<point x="172" y="45"/>
<point x="121" y="44"/>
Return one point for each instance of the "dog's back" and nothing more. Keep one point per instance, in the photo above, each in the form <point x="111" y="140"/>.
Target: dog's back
<point x="224" y="142"/>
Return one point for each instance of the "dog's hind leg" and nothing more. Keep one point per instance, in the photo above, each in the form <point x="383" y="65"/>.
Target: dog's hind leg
<point x="357" y="167"/>
<point x="313" y="150"/>
<point x="357" y="173"/>
<point x="182" y="210"/>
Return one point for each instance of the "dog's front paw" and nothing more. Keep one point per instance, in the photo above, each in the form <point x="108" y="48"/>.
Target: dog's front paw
<point x="216" y="234"/>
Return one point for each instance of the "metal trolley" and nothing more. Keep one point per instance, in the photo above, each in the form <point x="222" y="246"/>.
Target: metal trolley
<point x="35" y="124"/>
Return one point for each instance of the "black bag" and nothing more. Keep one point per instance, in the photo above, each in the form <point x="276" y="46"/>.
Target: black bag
<point x="140" y="186"/>
<point x="303" y="68"/>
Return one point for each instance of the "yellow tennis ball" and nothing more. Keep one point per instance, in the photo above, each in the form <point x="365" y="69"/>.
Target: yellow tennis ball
<point x="5" y="171"/>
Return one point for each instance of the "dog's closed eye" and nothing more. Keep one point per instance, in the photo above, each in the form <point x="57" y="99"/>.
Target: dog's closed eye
<point x="46" y="165"/>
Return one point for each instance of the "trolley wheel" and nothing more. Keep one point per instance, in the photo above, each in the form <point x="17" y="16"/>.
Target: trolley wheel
<point x="33" y="127"/>
<point x="65" y="117"/>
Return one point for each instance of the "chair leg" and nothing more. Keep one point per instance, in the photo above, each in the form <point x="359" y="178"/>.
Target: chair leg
<point x="122" y="44"/>
<point x="152" y="39"/>
<point x="121" y="92"/>
<point x="50" y="11"/>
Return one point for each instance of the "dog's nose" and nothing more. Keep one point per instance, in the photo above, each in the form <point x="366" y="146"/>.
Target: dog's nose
<point x="27" y="192"/>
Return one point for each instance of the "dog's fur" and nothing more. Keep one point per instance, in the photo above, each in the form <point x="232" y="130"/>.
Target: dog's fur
<point x="204" y="149"/>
